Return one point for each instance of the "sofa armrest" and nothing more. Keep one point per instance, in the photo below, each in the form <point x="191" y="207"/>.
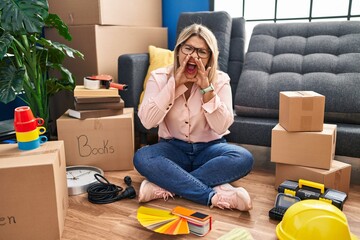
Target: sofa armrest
<point x="132" y="69"/>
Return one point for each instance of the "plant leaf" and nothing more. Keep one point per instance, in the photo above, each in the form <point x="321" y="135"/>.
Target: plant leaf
<point x="11" y="82"/>
<point x="58" y="51"/>
<point x="66" y="82"/>
<point x="23" y="16"/>
<point x="70" y="52"/>
<point x="5" y="42"/>
<point x="55" y="21"/>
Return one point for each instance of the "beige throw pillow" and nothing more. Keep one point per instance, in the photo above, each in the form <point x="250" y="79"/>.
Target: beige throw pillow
<point x="158" y="57"/>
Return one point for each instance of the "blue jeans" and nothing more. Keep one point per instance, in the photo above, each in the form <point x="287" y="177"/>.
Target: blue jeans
<point x="191" y="170"/>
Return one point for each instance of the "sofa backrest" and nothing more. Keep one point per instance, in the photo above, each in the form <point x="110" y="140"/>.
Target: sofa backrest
<point x="220" y="25"/>
<point x="237" y="52"/>
<point x="316" y="56"/>
<point x="230" y="34"/>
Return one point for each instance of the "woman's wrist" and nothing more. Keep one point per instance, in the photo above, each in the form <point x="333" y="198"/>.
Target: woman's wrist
<point x="206" y="83"/>
<point x="209" y="88"/>
<point x="208" y="96"/>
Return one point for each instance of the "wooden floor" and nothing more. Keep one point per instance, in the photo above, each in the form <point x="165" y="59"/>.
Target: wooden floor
<point x="87" y="221"/>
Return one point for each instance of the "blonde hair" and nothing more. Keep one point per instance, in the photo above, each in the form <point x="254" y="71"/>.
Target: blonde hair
<point x="209" y="38"/>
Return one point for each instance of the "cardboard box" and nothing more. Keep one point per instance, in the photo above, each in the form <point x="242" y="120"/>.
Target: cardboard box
<point x="34" y="192"/>
<point x="311" y="149"/>
<point x="337" y="177"/>
<point x="107" y="142"/>
<point x="301" y="111"/>
<point x="102" y="46"/>
<point x="108" y="12"/>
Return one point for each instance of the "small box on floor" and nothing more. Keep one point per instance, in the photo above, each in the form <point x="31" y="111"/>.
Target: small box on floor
<point x="301" y="111"/>
<point x="34" y="192"/>
<point x="311" y="149"/>
<point x="338" y="177"/>
<point x="106" y="142"/>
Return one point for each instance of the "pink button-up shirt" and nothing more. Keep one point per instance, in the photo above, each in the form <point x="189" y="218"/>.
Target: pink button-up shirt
<point x="189" y="120"/>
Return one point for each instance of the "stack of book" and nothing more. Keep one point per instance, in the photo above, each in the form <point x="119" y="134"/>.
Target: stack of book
<point x="94" y="103"/>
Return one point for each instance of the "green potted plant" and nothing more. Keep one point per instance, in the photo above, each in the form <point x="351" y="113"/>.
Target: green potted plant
<point x="26" y="57"/>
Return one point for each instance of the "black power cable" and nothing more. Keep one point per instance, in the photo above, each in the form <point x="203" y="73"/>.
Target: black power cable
<point x="106" y="192"/>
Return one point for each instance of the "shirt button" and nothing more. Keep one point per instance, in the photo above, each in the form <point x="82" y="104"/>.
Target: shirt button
<point x="167" y="108"/>
<point x="186" y="122"/>
<point x="170" y="104"/>
<point x="186" y="136"/>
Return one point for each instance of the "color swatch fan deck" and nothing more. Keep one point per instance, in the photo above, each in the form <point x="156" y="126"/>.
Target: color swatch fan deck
<point x="178" y="221"/>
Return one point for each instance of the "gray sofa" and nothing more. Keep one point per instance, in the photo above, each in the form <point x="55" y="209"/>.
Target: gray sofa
<point x="319" y="56"/>
<point x="323" y="57"/>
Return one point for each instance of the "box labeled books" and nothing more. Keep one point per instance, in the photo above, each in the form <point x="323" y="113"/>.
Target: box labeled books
<point x="104" y="142"/>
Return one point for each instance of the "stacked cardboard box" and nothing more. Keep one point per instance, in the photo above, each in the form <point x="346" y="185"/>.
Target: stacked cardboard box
<point x="302" y="146"/>
<point x="34" y="197"/>
<point x="104" y="30"/>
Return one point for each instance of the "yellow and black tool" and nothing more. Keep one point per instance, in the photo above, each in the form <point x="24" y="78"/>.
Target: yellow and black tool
<point x="305" y="189"/>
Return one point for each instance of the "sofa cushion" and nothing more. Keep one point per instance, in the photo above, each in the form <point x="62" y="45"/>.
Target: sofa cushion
<point x="257" y="131"/>
<point x="220" y="24"/>
<point x="158" y="57"/>
<point x="320" y="56"/>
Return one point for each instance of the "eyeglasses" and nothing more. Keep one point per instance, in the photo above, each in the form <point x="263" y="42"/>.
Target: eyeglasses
<point x="188" y="49"/>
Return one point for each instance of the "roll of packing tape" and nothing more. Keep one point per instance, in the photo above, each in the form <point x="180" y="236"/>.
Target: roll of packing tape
<point x="91" y="84"/>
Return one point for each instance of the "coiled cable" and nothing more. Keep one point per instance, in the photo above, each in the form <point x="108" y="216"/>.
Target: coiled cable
<point x="105" y="192"/>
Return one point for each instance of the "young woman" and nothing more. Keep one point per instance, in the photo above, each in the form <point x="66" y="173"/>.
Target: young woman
<point x="191" y="103"/>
